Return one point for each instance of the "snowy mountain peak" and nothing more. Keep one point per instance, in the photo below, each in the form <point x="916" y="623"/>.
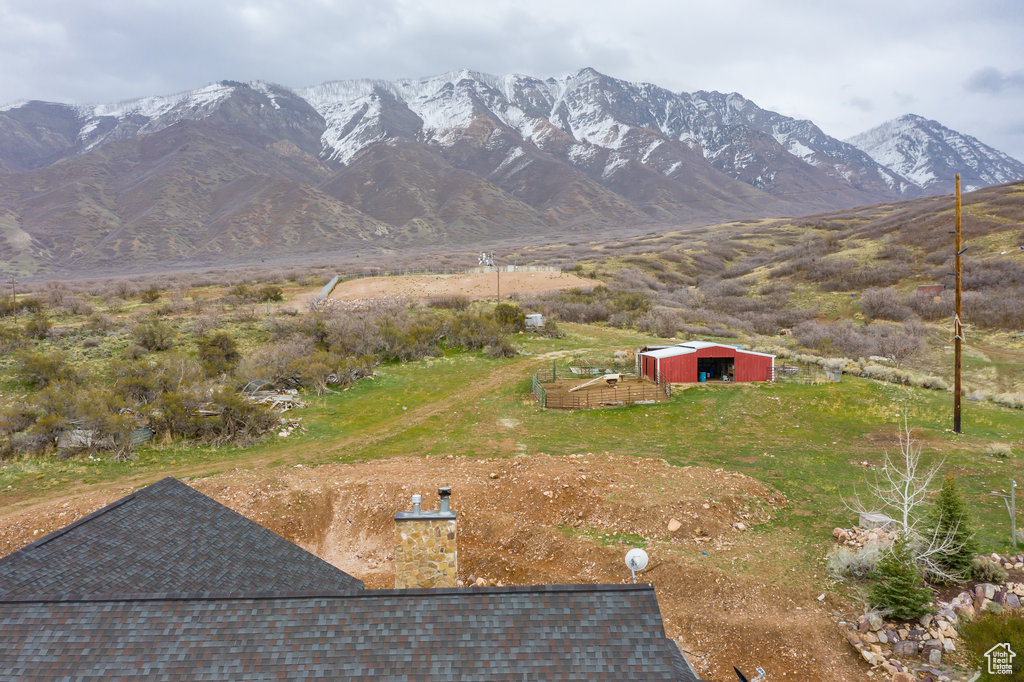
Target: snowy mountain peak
<point x="929" y="155"/>
<point x="604" y="127"/>
<point x="153" y="107"/>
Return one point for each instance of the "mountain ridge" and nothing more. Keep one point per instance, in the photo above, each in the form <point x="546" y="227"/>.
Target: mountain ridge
<point x="462" y="158"/>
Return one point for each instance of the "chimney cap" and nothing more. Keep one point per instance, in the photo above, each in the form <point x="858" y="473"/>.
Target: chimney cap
<point x="444" y="492"/>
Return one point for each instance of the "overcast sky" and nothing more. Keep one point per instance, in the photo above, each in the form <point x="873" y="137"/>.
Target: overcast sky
<point x="847" y="66"/>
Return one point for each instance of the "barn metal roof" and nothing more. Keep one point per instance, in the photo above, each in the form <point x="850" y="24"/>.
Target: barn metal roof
<point x="693" y="346"/>
<point x="669" y="352"/>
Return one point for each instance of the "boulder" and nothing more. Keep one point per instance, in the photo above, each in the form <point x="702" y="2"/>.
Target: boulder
<point x="874" y="520"/>
<point x="905" y="649"/>
<point x="929" y="646"/>
<point x="674" y="525"/>
<point x="1013" y="601"/>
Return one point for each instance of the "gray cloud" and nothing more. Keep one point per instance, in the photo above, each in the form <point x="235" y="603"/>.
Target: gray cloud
<point x="860" y="103"/>
<point x="993" y="81"/>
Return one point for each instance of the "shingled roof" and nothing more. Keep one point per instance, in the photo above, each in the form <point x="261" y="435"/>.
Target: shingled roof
<point x="566" y="632"/>
<point x="166" y="537"/>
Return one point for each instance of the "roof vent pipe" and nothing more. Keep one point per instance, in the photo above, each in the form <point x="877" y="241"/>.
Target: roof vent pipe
<point x="416" y="499"/>
<point x="444" y="493"/>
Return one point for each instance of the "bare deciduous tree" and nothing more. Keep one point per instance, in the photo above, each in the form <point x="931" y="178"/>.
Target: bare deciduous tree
<point x="901" y="491"/>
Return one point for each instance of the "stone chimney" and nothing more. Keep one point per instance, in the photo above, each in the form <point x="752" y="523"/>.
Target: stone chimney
<point x="425" y="545"/>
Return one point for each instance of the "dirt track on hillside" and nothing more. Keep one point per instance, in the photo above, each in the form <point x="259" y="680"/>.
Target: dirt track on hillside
<point x="726" y="594"/>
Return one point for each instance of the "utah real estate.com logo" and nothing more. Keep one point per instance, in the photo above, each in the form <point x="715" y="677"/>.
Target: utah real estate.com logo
<point x="1000" y="659"/>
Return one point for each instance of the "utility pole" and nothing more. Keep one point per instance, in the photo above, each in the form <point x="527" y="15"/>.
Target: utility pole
<point x="958" y="329"/>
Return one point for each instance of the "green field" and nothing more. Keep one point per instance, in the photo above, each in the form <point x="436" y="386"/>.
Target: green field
<point x="807" y="441"/>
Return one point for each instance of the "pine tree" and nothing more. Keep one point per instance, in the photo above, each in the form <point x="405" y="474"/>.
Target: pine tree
<point x="951" y="530"/>
<point x="899" y="589"/>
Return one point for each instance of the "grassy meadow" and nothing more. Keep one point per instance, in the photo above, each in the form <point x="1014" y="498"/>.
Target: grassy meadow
<point x="810" y="442"/>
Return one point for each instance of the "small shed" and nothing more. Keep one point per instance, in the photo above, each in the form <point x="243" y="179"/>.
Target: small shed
<point x="534" y="321"/>
<point x="695" y="361"/>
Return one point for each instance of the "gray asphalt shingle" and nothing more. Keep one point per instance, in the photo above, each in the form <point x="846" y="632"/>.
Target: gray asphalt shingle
<point x="166" y="537"/>
<point x="168" y="584"/>
<point x="467" y="634"/>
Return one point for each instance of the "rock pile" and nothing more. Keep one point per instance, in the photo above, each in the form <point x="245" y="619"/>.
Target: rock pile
<point x="860" y="537"/>
<point x="1010" y="563"/>
<point x="912" y="649"/>
<point x="988" y="597"/>
<point x="916" y="648"/>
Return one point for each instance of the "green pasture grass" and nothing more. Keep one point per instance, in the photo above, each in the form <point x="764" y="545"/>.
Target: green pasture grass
<point x="806" y="441"/>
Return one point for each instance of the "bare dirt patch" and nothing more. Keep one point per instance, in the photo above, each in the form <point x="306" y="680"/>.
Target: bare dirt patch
<point x="728" y="595"/>
<point x="475" y="286"/>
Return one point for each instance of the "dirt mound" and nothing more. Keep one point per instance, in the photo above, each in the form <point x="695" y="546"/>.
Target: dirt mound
<point x="723" y="588"/>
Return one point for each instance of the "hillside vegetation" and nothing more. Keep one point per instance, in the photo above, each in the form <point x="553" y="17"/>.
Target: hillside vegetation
<point x="447" y="382"/>
<point x="841" y="284"/>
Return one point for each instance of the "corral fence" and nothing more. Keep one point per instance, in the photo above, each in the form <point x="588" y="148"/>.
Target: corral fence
<point x="538" y="391"/>
<point x="550" y="386"/>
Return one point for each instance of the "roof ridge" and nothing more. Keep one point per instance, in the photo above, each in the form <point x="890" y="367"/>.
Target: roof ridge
<point x="88" y="517"/>
<point x="157" y="507"/>
<point x="71" y="597"/>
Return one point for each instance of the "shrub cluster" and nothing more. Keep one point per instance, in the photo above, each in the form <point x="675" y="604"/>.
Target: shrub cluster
<point x="897" y="342"/>
<point x="186" y="381"/>
<point x="861" y="367"/>
<point x="848" y="563"/>
<point x="594" y="305"/>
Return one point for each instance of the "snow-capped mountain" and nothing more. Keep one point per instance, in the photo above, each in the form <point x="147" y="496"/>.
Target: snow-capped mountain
<point x="598" y="124"/>
<point x="232" y="168"/>
<point x="929" y="155"/>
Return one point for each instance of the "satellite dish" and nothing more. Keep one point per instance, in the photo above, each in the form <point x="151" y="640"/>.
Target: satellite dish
<point x="636" y="560"/>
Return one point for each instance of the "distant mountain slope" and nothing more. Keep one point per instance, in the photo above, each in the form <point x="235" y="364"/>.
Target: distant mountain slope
<point x="235" y="171"/>
<point x="929" y="155"/>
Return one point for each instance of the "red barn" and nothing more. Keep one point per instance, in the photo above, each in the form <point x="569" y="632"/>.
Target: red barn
<point x="686" y="362"/>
